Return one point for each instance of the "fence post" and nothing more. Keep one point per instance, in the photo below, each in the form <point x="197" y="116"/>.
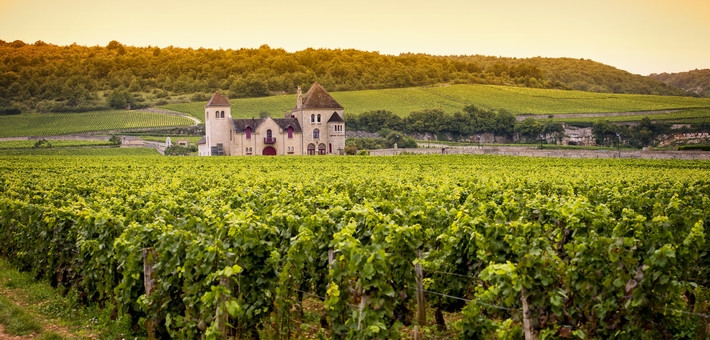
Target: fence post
<point x="149" y="283"/>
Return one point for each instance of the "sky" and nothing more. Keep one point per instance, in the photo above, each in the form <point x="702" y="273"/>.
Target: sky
<point x="639" y="36"/>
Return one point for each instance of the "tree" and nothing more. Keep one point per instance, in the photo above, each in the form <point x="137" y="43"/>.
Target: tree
<point x="504" y="123"/>
<point x="556" y="129"/>
<point x="605" y="132"/>
<point x="373" y="121"/>
<point x="119" y="99"/>
<point x="426" y="121"/>
<point x="529" y="129"/>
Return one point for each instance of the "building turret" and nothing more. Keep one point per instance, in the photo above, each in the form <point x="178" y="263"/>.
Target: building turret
<point x="218" y="125"/>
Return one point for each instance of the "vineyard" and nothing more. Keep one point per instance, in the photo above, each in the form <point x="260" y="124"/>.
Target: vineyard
<point x="49" y="124"/>
<point x="332" y="246"/>
<point x="518" y="100"/>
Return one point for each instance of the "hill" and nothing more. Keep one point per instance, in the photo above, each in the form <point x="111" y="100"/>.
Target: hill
<point x="696" y="81"/>
<point x="42" y="77"/>
<point x="450" y="99"/>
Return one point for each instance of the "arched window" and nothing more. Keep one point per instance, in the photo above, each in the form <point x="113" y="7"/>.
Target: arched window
<point x="268" y="133"/>
<point x="221" y="114"/>
<point x="321" y="149"/>
<point x="290" y="131"/>
<point x="216" y="114"/>
<point x="311" y="149"/>
<point x="247" y="131"/>
<point x="319" y="118"/>
<point x="316" y="133"/>
<point x="313" y="118"/>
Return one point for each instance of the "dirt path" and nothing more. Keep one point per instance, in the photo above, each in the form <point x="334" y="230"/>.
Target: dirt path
<point x="18" y="297"/>
<point x="5" y="336"/>
<point x="594" y="115"/>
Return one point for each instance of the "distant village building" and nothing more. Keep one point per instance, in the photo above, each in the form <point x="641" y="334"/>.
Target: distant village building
<point x="315" y="126"/>
<point x="131" y="141"/>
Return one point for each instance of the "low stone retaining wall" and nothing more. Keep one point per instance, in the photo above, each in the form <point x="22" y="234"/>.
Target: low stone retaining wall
<point x="532" y="152"/>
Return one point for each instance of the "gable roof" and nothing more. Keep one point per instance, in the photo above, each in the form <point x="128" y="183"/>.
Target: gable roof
<point x="335" y="118"/>
<point x="202" y="140"/>
<point x="254" y="123"/>
<point x="241" y="124"/>
<point x="284" y="123"/>
<point x="218" y="100"/>
<point x="318" y="98"/>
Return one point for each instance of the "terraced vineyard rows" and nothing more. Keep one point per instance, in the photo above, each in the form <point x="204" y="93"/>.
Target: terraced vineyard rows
<point x="588" y="248"/>
<point x="518" y="100"/>
<point x="49" y="124"/>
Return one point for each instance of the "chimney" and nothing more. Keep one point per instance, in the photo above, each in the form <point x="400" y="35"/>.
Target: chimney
<point x="299" y="100"/>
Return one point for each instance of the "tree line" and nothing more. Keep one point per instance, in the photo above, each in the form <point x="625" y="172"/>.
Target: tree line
<point x="45" y="77"/>
<point x="462" y="125"/>
<point x="468" y="124"/>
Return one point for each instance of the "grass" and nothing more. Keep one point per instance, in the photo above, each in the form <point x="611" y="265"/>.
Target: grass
<point x="49" y="124"/>
<point x="26" y="144"/>
<point x="15" y="320"/>
<point x="27" y="306"/>
<point x="518" y="100"/>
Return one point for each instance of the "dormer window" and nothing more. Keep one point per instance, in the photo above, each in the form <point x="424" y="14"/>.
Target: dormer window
<point x="289" y="130"/>
<point x="247" y="132"/>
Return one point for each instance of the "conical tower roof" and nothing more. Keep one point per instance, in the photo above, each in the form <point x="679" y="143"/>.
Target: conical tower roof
<point x="318" y="98"/>
<point x="218" y="100"/>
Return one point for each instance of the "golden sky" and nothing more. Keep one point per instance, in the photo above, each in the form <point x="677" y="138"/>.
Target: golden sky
<point x="640" y="36"/>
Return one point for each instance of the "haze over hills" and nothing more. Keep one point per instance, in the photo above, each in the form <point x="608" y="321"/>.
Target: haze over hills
<point x="695" y="81"/>
<point x="44" y="77"/>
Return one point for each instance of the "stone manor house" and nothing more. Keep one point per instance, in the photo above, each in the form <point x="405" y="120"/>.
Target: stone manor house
<point x="315" y="126"/>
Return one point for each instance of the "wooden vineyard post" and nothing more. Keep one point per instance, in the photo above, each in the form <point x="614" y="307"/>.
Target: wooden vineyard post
<point x="221" y="318"/>
<point x="421" y="310"/>
<point x="527" y="324"/>
<point x="149" y="283"/>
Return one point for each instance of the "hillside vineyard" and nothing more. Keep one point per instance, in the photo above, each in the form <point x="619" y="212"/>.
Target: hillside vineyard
<point x="589" y="248"/>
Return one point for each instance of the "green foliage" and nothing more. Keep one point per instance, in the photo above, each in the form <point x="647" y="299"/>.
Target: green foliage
<point x="530" y="129"/>
<point x="641" y="135"/>
<point x="695" y="81"/>
<point x="392" y="137"/>
<point x="177" y="150"/>
<point x="47" y="77"/>
<point x="703" y="147"/>
<point x="42" y="143"/>
<point x="120" y="99"/>
<point x="115" y="140"/>
<point x="597" y="248"/>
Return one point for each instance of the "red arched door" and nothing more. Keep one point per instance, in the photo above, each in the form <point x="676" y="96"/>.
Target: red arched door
<point x="269" y="151"/>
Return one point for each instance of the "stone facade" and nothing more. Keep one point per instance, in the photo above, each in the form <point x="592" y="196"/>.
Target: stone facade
<point x="314" y="126"/>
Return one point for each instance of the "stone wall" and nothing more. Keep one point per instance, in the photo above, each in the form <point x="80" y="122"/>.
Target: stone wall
<point x="533" y="152"/>
<point x="685" y="138"/>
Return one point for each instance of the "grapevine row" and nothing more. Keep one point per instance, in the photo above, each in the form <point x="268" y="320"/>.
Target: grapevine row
<point x="594" y="248"/>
